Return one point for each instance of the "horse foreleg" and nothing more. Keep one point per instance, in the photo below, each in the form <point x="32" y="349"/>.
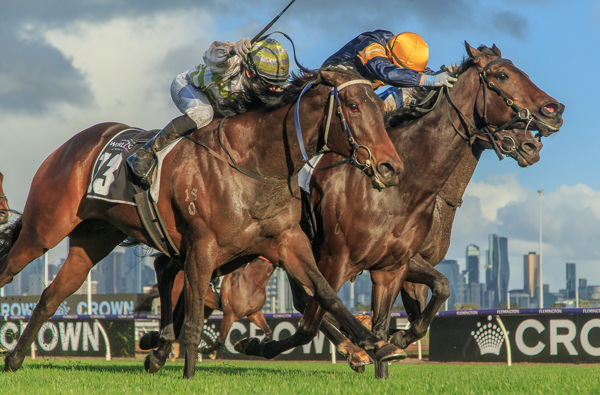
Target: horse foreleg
<point x="421" y="272"/>
<point x="260" y="321"/>
<point x="414" y="299"/>
<point x="198" y="271"/>
<point x="386" y="286"/>
<point x="166" y="269"/>
<point x="80" y="260"/>
<point x="357" y="357"/>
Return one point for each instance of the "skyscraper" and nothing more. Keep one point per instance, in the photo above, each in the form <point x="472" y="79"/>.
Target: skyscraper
<point x="449" y="268"/>
<point x="500" y="272"/>
<point x="472" y="261"/>
<point x="531" y="274"/>
<point x="571" y="280"/>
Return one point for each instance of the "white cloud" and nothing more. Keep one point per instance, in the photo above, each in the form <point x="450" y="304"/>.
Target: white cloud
<point x="570" y="232"/>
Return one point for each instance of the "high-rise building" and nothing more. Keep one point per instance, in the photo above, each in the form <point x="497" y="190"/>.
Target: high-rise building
<point x="279" y="295"/>
<point x="449" y="268"/>
<point x="571" y="280"/>
<point x="583" y="289"/>
<point x="472" y="263"/>
<point x="531" y="274"/>
<point x="497" y="282"/>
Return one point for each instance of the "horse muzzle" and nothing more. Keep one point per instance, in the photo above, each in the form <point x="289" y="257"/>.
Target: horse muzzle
<point x="549" y="118"/>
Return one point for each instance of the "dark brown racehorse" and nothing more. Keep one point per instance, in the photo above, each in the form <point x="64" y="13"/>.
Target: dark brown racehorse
<point x="491" y="98"/>
<point x="242" y="293"/>
<point x="525" y="150"/>
<point x="4" y="209"/>
<point x="217" y="215"/>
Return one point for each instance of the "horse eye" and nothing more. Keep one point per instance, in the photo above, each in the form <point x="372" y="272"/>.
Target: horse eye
<point x="502" y="76"/>
<point x="353" y="107"/>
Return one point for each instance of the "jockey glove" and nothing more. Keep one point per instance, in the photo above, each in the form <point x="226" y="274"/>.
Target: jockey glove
<point x="441" y="79"/>
<point x="243" y="46"/>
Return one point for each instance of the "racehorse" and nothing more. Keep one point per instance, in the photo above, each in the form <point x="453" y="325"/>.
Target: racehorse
<point x="437" y="242"/>
<point x="242" y="293"/>
<point x="230" y="195"/>
<point x="492" y="100"/>
<point x="4" y="209"/>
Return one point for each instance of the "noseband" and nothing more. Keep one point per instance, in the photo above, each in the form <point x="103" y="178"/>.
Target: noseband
<point x="334" y="97"/>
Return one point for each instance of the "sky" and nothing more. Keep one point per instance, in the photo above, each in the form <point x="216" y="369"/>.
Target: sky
<point x="67" y="65"/>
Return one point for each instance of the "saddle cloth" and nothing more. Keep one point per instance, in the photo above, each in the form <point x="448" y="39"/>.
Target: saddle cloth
<point x="112" y="179"/>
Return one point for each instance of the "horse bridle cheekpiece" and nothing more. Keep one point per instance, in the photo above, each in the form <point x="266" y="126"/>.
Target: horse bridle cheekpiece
<point x="521" y="113"/>
<point x="333" y="96"/>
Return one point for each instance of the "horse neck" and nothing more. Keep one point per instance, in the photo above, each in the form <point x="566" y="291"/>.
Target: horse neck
<point x="454" y="188"/>
<point x="269" y="145"/>
<point x="430" y="146"/>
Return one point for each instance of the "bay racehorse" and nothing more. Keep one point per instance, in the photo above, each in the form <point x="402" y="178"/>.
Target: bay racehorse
<point x="492" y="99"/>
<point x="242" y="293"/>
<point x="525" y="150"/>
<point x="216" y="215"/>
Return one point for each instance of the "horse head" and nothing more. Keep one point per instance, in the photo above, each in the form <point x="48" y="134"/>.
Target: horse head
<point x="509" y="99"/>
<point x="521" y="145"/>
<point x="361" y="132"/>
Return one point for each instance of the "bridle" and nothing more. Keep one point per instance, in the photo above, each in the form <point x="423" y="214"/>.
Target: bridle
<point x="521" y="113"/>
<point x="335" y="99"/>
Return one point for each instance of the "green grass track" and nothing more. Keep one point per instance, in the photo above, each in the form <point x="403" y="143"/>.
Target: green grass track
<point x="64" y="376"/>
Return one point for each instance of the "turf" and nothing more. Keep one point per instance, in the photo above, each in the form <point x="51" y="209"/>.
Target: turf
<point x="61" y="376"/>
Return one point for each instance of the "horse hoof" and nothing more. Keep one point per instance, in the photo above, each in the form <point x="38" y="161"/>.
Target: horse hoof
<point x="389" y="352"/>
<point x="358" y="364"/>
<point x="12" y="364"/>
<point x="358" y="360"/>
<point x="150" y="340"/>
<point x="247" y="346"/>
<point x="152" y="364"/>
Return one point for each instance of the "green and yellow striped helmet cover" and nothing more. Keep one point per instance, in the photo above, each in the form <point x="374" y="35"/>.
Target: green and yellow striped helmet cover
<point x="271" y="61"/>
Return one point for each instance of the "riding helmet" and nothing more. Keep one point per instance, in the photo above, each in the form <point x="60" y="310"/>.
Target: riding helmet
<point x="408" y="50"/>
<point x="270" y="61"/>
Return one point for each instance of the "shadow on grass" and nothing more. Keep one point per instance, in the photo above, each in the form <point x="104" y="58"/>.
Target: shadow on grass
<point x="224" y="368"/>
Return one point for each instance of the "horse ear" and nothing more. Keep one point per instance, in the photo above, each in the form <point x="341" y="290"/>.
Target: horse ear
<point x="496" y="50"/>
<point x="474" y="54"/>
<point x="330" y="77"/>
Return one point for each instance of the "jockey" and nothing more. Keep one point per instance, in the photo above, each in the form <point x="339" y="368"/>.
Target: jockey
<point x="222" y="84"/>
<point x="386" y="59"/>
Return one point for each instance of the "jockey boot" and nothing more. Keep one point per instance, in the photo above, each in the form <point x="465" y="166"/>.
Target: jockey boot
<point x="142" y="162"/>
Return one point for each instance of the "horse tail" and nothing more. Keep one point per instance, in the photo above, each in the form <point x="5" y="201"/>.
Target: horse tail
<point x="8" y="236"/>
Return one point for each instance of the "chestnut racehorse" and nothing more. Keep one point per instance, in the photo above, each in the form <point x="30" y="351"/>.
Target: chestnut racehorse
<point x="242" y="293"/>
<point x="217" y="215"/>
<point x="492" y="99"/>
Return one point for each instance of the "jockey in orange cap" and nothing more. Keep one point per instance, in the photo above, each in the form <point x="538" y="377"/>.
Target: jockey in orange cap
<point x="387" y="59"/>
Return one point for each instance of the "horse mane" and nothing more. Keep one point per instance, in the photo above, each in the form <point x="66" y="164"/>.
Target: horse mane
<point x="9" y="234"/>
<point x="404" y="116"/>
<point x="257" y="97"/>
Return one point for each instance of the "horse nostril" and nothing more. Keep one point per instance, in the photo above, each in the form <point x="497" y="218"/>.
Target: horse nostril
<point x="552" y="109"/>
<point x="386" y="169"/>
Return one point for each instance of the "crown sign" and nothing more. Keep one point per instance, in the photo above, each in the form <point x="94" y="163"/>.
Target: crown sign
<point x="489" y="338"/>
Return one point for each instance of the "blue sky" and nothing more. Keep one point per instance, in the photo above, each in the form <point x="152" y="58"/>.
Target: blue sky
<point x="68" y="65"/>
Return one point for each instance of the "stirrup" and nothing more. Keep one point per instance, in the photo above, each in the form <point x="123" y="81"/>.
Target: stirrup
<point x="143" y="175"/>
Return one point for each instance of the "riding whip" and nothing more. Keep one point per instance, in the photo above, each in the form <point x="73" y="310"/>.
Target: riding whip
<point x="257" y="37"/>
